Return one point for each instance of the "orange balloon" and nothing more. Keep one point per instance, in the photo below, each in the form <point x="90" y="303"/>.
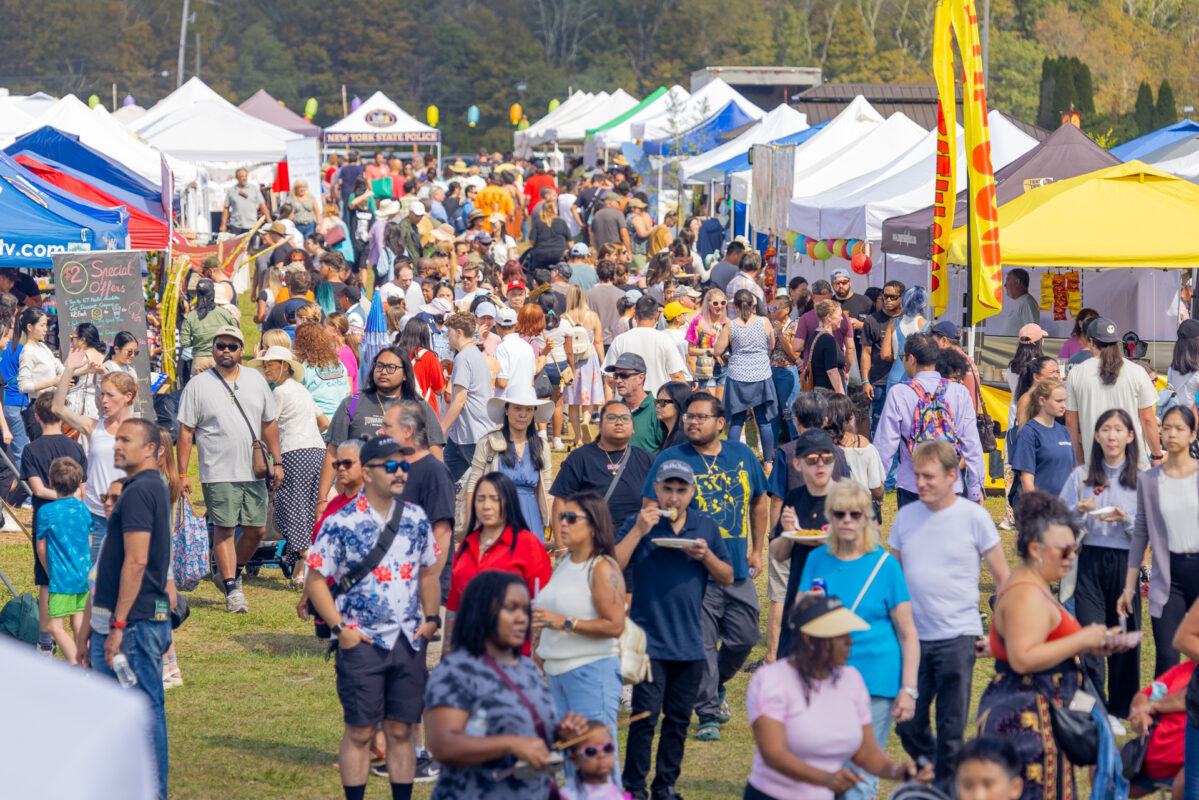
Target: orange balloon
<point x="515" y="113"/>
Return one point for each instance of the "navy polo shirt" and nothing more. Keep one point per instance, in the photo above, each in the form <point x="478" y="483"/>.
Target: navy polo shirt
<point x="668" y="587"/>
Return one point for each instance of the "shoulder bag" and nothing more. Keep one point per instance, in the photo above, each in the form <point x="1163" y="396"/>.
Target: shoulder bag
<point x="359" y="571"/>
<point x="878" y="565"/>
<point x="633" y="644"/>
<point x="260" y="455"/>
<point x="1077" y="732"/>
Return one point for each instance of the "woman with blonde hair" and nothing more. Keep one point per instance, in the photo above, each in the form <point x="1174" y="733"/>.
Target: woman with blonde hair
<point x="587" y="344"/>
<point x="549" y="234"/>
<point x="702" y="333"/>
<point x="307" y="210"/>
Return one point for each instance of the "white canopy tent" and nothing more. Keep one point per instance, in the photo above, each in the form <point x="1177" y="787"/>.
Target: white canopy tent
<point x="1186" y="166"/>
<point x="33" y="104"/>
<point x="575" y="130"/>
<point x="780" y="122"/>
<point x="545" y="131"/>
<point x="856" y="121"/>
<point x="13" y="123"/>
<point x="189" y="94"/>
<point x="571" y="105"/>
<point x="218" y="135"/>
<point x="379" y="121"/>
<point x="614" y="137"/>
<point x="710" y="99"/>
<point x="127" y="114"/>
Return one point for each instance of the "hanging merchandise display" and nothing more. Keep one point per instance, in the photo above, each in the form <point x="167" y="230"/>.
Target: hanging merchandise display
<point x="1060" y="293"/>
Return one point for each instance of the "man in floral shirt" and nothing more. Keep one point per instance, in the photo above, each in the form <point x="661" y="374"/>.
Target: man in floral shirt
<point x="383" y="622"/>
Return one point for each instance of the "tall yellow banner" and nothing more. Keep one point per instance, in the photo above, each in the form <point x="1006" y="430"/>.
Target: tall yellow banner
<point x="957" y="19"/>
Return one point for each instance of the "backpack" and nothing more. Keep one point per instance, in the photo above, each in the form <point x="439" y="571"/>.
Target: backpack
<point x="932" y="417"/>
<point x="18" y="618"/>
<point x="580" y="338"/>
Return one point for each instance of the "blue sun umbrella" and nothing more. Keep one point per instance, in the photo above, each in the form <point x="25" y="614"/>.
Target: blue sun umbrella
<point x="374" y="339"/>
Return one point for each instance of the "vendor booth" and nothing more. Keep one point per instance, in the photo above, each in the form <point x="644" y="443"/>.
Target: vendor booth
<point x="379" y="122"/>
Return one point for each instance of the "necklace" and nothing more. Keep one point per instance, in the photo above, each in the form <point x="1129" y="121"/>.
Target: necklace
<point x="709" y="468"/>
<point x="613" y="465"/>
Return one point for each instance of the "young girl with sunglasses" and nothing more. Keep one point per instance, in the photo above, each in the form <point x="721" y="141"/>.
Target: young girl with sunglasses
<point x="594" y="761"/>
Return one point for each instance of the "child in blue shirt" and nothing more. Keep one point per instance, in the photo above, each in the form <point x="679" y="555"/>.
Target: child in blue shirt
<point x="64" y="529"/>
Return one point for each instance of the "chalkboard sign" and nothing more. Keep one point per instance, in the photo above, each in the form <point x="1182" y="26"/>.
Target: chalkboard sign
<point x="104" y="287"/>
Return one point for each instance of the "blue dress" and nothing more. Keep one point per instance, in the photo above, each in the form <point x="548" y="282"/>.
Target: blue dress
<point x="526" y="477"/>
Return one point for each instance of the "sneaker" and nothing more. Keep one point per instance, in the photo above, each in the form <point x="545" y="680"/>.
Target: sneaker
<point x="47" y="650"/>
<point x="28" y="503"/>
<point x="235" y="602"/>
<point x="10" y="523"/>
<point x="726" y="712"/>
<point x="558" y="443"/>
<point x="426" y="769"/>
<point x="708" y="732"/>
<point x="1118" y="728"/>
<point x="626" y="697"/>
<point x="379" y="769"/>
<point x="1006" y="526"/>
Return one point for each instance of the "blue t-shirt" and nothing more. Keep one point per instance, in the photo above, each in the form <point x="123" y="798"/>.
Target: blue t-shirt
<point x="724" y="490"/>
<point x="1047" y="453"/>
<point x="10" y="364"/>
<point x="876" y="652"/>
<point x="66" y="525"/>
<point x="668" y="587"/>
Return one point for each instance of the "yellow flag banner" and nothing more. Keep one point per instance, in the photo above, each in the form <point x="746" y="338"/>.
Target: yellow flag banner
<point x="982" y="213"/>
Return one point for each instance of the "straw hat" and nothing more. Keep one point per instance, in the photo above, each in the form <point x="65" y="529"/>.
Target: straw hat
<point x="387" y="208"/>
<point x="459" y="167"/>
<point x="278" y="353"/>
<point x="521" y="396"/>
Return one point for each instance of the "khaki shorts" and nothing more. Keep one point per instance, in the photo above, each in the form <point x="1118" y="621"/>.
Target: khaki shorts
<point x="232" y="504"/>
<point x="777" y="573"/>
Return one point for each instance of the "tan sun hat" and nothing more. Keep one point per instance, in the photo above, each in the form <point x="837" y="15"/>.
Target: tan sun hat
<point x="277" y="353"/>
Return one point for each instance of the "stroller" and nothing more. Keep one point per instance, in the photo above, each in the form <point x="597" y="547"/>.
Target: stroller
<point x="268" y="554"/>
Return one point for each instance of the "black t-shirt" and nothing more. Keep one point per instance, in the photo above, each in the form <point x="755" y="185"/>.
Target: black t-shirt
<point x="825" y="356"/>
<point x="280" y="255"/>
<point x="857" y="307"/>
<point x="1192" y="702"/>
<point x="872" y="337"/>
<point x="284" y="314"/>
<point x="144" y="505"/>
<point x="590" y="469"/>
<point x="809" y="512"/>
<point x="36" y="459"/>
<point x="431" y="486"/>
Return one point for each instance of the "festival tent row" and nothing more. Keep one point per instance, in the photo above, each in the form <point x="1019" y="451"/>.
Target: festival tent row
<point x="575" y="129"/>
<point x="268" y="109"/>
<point x="379" y="121"/>
<point x="703" y="136"/>
<point x="619" y="130"/>
<point x="740" y="163"/>
<point x="780" y="122"/>
<point x="710" y="100"/>
<point x="1159" y="144"/>
<point x="522" y="139"/>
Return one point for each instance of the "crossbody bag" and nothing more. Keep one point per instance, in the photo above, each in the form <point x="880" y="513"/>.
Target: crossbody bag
<point x="260" y="455"/>
<point x="359" y="571"/>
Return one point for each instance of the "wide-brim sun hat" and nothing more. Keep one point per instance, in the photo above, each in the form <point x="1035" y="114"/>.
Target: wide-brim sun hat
<point x="521" y="396"/>
<point x="279" y="353"/>
<point x="827" y="618"/>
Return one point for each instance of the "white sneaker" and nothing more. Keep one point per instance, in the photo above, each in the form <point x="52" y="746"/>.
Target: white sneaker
<point x="10" y="523"/>
<point x="235" y="602"/>
<point x="1117" y="726"/>
<point x="558" y="443"/>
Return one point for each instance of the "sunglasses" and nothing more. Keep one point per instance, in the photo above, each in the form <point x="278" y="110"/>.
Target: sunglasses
<point x="223" y="346"/>
<point x="854" y="514"/>
<point x="571" y="517"/>
<point x="890" y="296"/>
<point x="104" y="498"/>
<point x="391" y="467"/>
<point x="815" y="458"/>
<point x="591" y="752"/>
<point x="660" y="403"/>
<point x="624" y="376"/>
<point x="1066" y="550"/>
<point x="345" y="463"/>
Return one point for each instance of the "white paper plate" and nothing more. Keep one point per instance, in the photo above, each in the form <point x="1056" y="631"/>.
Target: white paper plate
<point x="670" y="541"/>
<point x="797" y="536"/>
<point x="1103" y="512"/>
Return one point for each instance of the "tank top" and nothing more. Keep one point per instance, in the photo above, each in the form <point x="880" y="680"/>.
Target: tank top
<point x="750" y="355"/>
<point x="569" y="593"/>
<point x="1066" y="626"/>
<point x="101" y="471"/>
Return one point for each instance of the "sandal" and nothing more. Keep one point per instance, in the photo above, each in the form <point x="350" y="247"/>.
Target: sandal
<point x="708" y="732"/>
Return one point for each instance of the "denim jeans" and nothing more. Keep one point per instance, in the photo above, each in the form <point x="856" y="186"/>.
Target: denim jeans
<point x="1190" y="764"/>
<point x="786" y="387"/>
<point x="876" y="405"/>
<point x="16" y="426"/>
<point x="880" y="719"/>
<point x="765" y="429"/>
<point x="946" y="667"/>
<point x="144" y="643"/>
<point x="458" y="457"/>
<point x="592" y="690"/>
<point x="99" y="528"/>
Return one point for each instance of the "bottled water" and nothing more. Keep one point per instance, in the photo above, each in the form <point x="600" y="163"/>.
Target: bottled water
<point x="477" y="724"/>
<point x="125" y="675"/>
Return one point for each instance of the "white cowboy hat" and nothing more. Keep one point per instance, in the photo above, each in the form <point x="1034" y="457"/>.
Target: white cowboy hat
<point x="278" y="353"/>
<point x="387" y="208"/>
<point x="521" y="396"/>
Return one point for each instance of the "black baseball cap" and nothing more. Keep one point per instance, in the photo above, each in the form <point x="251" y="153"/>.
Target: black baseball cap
<point x="382" y="447"/>
<point x="1102" y="330"/>
<point x="813" y="440"/>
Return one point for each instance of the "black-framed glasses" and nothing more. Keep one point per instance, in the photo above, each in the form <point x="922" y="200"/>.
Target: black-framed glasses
<point x="345" y="463"/>
<point x="853" y="514"/>
<point x="660" y="403"/>
<point x="223" y="346"/>
<point x="391" y="467"/>
<point x="812" y="459"/>
<point x="387" y="369"/>
<point x="591" y="752"/>
<point x="571" y="517"/>
<point x="698" y="417"/>
<point x="626" y="418"/>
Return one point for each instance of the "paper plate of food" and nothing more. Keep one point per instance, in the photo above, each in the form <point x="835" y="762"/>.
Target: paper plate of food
<point x="1100" y="513"/>
<point x="678" y="543"/>
<point x="809" y="535"/>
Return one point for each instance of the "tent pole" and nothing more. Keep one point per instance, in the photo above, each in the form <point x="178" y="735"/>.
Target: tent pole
<point x="659" y="208"/>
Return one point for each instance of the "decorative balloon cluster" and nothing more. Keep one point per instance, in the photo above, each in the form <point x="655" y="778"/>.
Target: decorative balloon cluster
<point x="853" y="250"/>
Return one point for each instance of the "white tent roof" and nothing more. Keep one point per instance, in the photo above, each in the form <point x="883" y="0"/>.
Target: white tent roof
<point x="380" y="121"/>
<point x="218" y="134"/>
<point x="563" y="112"/>
<point x="545" y="131"/>
<point x="1186" y="166"/>
<point x="619" y="134"/>
<point x="707" y="101"/>
<point x="13" y="122"/>
<point x="127" y="114"/>
<point x="857" y="120"/>
<point x="33" y="104"/>
<point x="857" y="209"/>
<point x="574" y="130"/>
<point x="782" y="121"/>
<point x="189" y="94"/>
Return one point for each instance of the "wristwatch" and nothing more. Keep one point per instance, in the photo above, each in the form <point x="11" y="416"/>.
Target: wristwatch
<point x="915" y="694"/>
<point x="434" y="619"/>
<point x="338" y="628"/>
<point x="568" y="626"/>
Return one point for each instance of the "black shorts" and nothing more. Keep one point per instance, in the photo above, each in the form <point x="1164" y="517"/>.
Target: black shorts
<point x="40" y="578"/>
<point x="374" y="684"/>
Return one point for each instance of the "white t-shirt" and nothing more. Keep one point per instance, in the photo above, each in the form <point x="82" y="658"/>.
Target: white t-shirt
<point x="565" y="203"/>
<point x="679" y="337"/>
<point x="1180" y="508"/>
<point x="517" y="362"/>
<point x="1015" y="315"/>
<point x="940" y="553"/>
<point x="1087" y="395"/>
<point x="659" y="350"/>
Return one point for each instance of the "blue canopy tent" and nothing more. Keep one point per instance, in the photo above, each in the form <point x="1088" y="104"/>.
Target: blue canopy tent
<point x="1143" y="147"/>
<point x="38" y="220"/>
<point x="741" y="163"/>
<point x="64" y="152"/>
<point x="703" y="136"/>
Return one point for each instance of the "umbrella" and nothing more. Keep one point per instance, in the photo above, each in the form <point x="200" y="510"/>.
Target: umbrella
<point x="374" y="339"/>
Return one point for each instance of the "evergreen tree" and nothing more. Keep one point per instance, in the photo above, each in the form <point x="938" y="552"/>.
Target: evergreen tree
<point x="1046" y="116"/>
<point x="1166" y="112"/>
<point x="1084" y="88"/>
<point x="1144" y="112"/>
<point x="1065" y="96"/>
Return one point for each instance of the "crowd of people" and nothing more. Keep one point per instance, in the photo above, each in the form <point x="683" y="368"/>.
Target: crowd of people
<point x="593" y="447"/>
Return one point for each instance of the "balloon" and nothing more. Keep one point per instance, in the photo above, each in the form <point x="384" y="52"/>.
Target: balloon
<point x="801" y="242"/>
<point x="554" y="104"/>
<point x="790" y="238"/>
<point x="821" y="251"/>
<point x="355" y="103"/>
<point x="810" y="247"/>
<point x="472" y="116"/>
<point x="93" y="101"/>
<point x="432" y="115"/>
<point x="861" y="264"/>
<point x="839" y="249"/>
<point x="310" y="107"/>
<point x="524" y="123"/>
<point x="515" y="113"/>
<point x="857" y="248"/>
<point x="128" y="101"/>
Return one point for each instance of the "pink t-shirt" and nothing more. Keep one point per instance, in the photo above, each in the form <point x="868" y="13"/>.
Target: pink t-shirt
<point x="346" y="355"/>
<point x="825" y="732"/>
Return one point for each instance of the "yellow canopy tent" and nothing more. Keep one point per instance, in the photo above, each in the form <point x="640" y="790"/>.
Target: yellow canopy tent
<point x="1128" y="215"/>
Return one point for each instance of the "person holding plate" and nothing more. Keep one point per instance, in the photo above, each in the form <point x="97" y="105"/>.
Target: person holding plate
<point x="801" y="525"/>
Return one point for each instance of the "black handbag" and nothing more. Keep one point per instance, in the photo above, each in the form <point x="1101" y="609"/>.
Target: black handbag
<point x="543" y="387"/>
<point x="1077" y="732"/>
<point x="1132" y="754"/>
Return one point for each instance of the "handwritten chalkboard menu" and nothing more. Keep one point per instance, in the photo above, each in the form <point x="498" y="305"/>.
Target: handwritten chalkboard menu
<point x="104" y="287"/>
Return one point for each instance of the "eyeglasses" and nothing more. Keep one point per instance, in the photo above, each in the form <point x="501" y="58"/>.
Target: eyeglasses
<point x="698" y="417"/>
<point x="571" y="517"/>
<point x="840" y="281"/>
<point x="812" y="459"/>
<point x="387" y="369"/>
<point x="391" y="467"/>
<point x="1066" y="550"/>
<point x="345" y="463"/>
<point x="222" y="346"/>
<point x="660" y="403"/>
<point x="591" y="752"/>
<point x="104" y="498"/>
<point x="624" y="376"/>
<point x="618" y="418"/>
<point x="854" y="514"/>
<point x="718" y="304"/>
